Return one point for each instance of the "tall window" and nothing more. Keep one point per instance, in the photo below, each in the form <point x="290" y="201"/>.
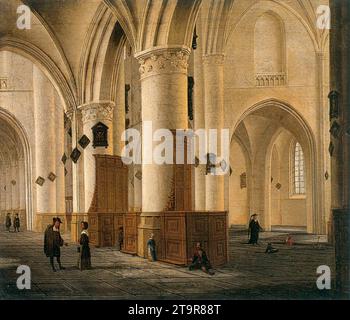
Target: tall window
<point x="299" y="170"/>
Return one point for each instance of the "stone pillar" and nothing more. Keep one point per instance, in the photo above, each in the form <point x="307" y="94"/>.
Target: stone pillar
<point x="45" y="147"/>
<point x="164" y="102"/>
<point x="340" y="139"/>
<point x="8" y="186"/>
<point x="60" y="178"/>
<point x="199" y="123"/>
<point x="22" y="192"/>
<point x="14" y="185"/>
<point x="214" y="106"/>
<point x="92" y="114"/>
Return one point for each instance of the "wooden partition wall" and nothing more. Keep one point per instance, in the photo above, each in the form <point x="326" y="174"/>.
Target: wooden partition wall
<point x="180" y="231"/>
<point x="109" y="201"/>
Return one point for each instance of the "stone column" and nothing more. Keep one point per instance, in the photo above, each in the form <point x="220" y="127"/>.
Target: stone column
<point x="22" y="192"/>
<point x="164" y="103"/>
<point x="92" y="114"/>
<point x="199" y="123"/>
<point x="340" y="139"/>
<point x="45" y="147"/>
<point x="14" y="185"/>
<point x="8" y="200"/>
<point x="60" y="178"/>
<point x="214" y="106"/>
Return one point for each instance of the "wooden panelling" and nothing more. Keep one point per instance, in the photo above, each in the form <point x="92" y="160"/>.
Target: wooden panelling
<point x="109" y="201"/>
<point x="180" y="231"/>
<point x="130" y="221"/>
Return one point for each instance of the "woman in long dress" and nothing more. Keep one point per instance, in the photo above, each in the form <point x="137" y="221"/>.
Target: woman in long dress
<point x="84" y="261"/>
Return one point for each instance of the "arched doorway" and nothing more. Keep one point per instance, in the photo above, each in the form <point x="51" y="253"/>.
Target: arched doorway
<point x="15" y="170"/>
<point x="267" y="135"/>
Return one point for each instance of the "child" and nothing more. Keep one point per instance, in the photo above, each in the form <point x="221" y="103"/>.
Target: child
<point x="151" y="246"/>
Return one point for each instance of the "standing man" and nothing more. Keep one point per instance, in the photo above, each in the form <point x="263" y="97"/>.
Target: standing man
<point x="254" y="229"/>
<point x="53" y="243"/>
<point x="16" y="223"/>
<point x="8" y="222"/>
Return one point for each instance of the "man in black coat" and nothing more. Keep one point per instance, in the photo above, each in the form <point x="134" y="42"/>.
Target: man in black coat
<point x="53" y="243"/>
<point x="254" y="229"/>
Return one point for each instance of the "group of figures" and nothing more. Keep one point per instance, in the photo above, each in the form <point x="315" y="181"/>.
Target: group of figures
<point x="16" y="222"/>
<point x="53" y="243"/>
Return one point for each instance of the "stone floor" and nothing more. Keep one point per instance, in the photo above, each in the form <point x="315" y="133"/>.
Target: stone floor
<point x="250" y="274"/>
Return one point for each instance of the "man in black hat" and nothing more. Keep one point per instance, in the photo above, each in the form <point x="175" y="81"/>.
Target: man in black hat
<point x="53" y="243"/>
<point x="254" y="229"/>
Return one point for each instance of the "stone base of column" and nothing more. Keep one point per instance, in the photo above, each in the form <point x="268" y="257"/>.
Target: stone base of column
<point x="341" y="225"/>
<point x="42" y="220"/>
<point x="149" y="223"/>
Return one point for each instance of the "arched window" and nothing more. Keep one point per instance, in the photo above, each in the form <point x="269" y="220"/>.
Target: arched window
<point x="298" y="170"/>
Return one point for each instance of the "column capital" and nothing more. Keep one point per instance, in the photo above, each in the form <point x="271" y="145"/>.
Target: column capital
<point x="160" y="60"/>
<point x="214" y="59"/>
<point x="95" y="111"/>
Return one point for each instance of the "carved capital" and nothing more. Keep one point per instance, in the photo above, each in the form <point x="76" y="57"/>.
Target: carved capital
<point x="97" y="111"/>
<point x="163" y="60"/>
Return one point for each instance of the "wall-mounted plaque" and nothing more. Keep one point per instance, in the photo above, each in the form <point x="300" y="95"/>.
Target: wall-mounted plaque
<point x="331" y="148"/>
<point x="40" y="181"/>
<point x="333" y="104"/>
<point x="75" y="155"/>
<point x="138" y="175"/>
<point x="64" y="158"/>
<point x="335" y="129"/>
<point x="243" y="180"/>
<point x="100" y="134"/>
<point x="326" y="175"/>
<point x="84" y="141"/>
<point x="52" y="177"/>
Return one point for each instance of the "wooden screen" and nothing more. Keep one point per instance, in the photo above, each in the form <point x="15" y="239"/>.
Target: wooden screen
<point x="180" y="231"/>
<point x="109" y="200"/>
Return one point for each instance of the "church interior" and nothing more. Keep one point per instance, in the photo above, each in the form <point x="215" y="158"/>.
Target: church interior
<point x="74" y="75"/>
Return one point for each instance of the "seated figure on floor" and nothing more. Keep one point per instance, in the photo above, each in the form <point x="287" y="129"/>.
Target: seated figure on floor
<point x="200" y="260"/>
<point x="270" y="249"/>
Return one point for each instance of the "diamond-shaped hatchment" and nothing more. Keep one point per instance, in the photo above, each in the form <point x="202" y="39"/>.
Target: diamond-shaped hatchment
<point x="52" y="177"/>
<point x="75" y="155"/>
<point x="84" y="141"/>
<point x="40" y="181"/>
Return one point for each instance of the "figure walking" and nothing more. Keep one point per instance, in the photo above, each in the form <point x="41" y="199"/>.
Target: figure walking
<point x="254" y="229"/>
<point x="84" y="261"/>
<point x="8" y="222"/>
<point x="151" y="246"/>
<point x="53" y="243"/>
<point x="16" y="223"/>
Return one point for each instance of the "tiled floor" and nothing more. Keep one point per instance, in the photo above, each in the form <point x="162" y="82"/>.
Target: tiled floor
<point x="250" y="274"/>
